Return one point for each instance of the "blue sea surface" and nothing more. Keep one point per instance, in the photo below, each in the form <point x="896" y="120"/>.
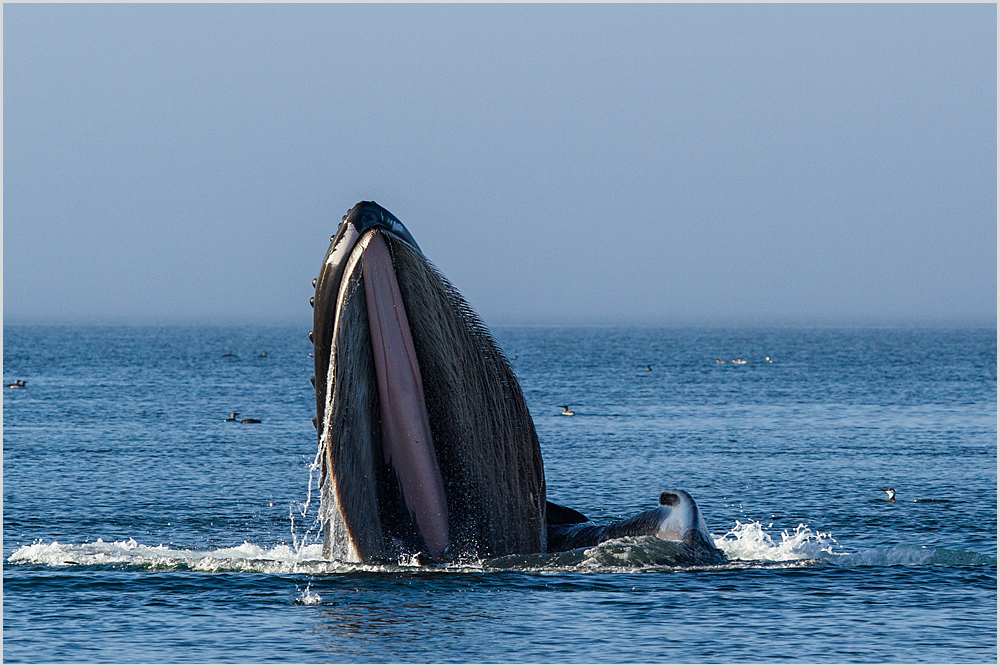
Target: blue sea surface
<point x="138" y="526"/>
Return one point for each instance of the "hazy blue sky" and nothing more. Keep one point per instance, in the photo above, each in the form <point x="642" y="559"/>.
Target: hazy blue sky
<point x="658" y="164"/>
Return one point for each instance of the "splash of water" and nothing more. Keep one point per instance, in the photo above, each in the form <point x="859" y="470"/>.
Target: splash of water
<point x="299" y="543"/>
<point x="751" y="542"/>
<point x="307" y="597"/>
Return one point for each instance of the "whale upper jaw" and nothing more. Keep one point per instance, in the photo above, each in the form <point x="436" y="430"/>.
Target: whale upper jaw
<point x="368" y="215"/>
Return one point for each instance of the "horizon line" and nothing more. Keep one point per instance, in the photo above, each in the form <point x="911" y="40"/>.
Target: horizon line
<point x="679" y="323"/>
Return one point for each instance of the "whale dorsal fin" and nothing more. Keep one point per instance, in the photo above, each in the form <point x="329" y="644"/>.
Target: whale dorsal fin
<point x="557" y="514"/>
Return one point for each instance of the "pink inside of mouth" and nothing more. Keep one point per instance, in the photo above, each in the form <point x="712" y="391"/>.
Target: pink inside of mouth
<point x="407" y="443"/>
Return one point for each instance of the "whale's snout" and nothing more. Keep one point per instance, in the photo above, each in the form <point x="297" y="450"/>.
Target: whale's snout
<point x="681" y="520"/>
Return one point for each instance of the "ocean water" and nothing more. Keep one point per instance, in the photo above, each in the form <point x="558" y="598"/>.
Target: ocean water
<point x="138" y="526"/>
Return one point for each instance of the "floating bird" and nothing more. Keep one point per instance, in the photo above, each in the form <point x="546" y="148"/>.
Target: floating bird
<point x="720" y="361"/>
<point x="229" y="354"/>
<point x="737" y="360"/>
<point x="649" y="368"/>
<point x="892" y="495"/>
<point x="232" y="418"/>
<point x="566" y="411"/>
<point x="16" y="384"/>
<point x="767" y="359"/>
<point x="262" y="354"/>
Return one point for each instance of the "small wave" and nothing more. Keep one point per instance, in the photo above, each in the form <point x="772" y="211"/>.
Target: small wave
<point x="910" y="555"/>
<point x="625" y="554"/>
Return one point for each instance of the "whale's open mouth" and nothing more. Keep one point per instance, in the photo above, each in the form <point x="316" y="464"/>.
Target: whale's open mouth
<point x="407" y="443"/>
<point x="427" y="445"/>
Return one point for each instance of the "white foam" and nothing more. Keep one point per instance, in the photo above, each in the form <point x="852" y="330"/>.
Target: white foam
<point x="129" y="553"/>
<point x="246" y="557"/>
<point x="746" y="545"/>
<point x="751" y="542"/>
<point x="746" y="542"/>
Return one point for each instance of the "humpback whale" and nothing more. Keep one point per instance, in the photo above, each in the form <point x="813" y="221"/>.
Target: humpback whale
<point x="425" y="443"/>
<point x="676" y="519"/>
